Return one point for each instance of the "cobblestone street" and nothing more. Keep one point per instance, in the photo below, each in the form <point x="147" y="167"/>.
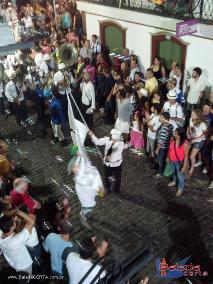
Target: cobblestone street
<point x="148" y="214"/>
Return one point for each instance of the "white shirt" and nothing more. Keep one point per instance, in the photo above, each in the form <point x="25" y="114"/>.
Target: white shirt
<point x="116" y="157"/>
<point x="31" y="81"/>
<point x="155" y="123"/>
<point x="15" y="251"/>
<point x="33" y="239"/>
<point x="11" y="92"/>
<point x="28" y="22"/>
<point x="10" y="62"/>
<point x="172" y="75"/>
<point x="78" y="267"/>
<point x="196" y="87"/>
<point x="88" y="94"/>
<point x="174" y="110"/>
<point x="132" y="74"/>
<point x="11" y="16"/>
<point x="95" y="47"/>
<point x="197" y="131"/>
<point x="41" y="64"/>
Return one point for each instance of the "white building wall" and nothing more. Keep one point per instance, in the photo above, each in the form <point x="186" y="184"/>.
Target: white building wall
<point x="141" y="26"/>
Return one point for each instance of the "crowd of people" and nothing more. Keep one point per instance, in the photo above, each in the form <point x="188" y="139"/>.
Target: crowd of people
<point x="37" y="19"/>
<point x="149" y="114"/>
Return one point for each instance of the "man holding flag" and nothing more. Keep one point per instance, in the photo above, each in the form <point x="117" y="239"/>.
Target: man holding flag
<point x="88" y="182"/>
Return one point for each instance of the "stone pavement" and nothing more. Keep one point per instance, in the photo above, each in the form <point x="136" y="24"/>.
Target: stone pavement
<point x="6" y="36"/>
<point x="148" y="214"/>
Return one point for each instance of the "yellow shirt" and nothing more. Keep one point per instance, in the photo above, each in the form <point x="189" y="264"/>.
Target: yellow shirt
<point x="151" y="85"/>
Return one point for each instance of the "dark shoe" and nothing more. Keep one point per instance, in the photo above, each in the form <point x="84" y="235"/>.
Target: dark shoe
<point x="64" y="143"/>
<point x="55" y="139"/>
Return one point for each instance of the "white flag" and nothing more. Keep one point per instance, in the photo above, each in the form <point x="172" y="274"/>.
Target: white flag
<point x="78" y="130"/>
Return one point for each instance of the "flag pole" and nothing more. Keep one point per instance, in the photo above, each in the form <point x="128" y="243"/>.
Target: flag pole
<point x="54" y="8"/>
<point x="96" y="146"/>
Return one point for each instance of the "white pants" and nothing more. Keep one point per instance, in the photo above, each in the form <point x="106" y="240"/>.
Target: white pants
<point x="57" y="131"/>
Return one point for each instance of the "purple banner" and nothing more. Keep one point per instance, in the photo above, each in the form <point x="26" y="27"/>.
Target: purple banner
<point x="186" y="28"/>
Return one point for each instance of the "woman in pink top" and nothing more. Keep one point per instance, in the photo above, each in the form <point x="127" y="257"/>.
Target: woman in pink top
<point x="178" y="157"/>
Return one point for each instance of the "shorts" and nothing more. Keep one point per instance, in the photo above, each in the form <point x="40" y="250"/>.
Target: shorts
<point x="198" y="145"/>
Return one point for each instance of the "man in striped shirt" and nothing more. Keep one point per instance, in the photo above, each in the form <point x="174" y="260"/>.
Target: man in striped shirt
<point x="163" y="140"/>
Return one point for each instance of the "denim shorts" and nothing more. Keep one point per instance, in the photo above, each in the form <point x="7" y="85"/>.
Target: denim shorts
<point x="198" y="145"/>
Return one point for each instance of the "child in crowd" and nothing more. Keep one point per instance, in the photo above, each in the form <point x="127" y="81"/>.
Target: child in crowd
<point x="196" y="134"/>
<point x="136" y="134"/>
<point x="153" y="124"/>
<point x="164" y="136"/>
<point x="57" y="117"/>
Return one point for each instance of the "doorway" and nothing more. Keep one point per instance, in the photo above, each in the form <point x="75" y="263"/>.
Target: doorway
<point x="170" y="49"/>
<point x="113" y="36"/>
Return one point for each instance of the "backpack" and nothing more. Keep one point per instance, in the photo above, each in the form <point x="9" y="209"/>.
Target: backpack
<point x="110" y="269"/>
<point x="66" y="252"/>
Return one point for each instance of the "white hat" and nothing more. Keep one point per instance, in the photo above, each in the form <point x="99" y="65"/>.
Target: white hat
<point x="47" y="57"/>
<point x="58" y="77"/>
<point x="172" y="95"/>
<point x="61" y="66"/>
<point x="143" y="92"/>
<point x="115" y="134"/>
<point x="10" y="74"/>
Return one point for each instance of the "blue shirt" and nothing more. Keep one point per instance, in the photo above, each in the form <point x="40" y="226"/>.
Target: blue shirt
<point x="39" y="92"/>
<point x="55" y="245"/>
<point x="180" y="97"/>
<point x="56" y="112"/>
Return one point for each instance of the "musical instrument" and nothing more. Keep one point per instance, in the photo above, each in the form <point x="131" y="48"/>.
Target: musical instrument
<point x="64" y="84"/>
<point x="48" y="80"/>
<point x="68" y="54"/>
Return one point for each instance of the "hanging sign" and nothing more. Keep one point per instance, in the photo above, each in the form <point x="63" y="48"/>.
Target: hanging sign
<point x="186" y="28"/>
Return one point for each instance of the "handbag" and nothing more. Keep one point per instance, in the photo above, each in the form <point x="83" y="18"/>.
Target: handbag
<point x="168" y="170"/>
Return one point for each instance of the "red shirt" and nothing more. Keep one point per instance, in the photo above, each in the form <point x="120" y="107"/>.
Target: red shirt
<point x="177" y="153"/>
<point x="18" y="199"/>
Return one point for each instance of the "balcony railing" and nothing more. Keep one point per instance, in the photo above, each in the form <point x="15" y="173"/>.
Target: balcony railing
<point x="179" y="9"/>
